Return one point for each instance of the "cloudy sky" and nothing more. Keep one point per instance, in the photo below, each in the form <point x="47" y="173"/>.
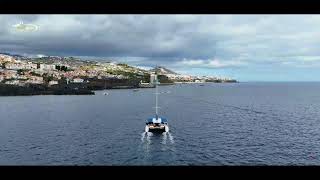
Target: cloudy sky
<point x="244" y="47"/>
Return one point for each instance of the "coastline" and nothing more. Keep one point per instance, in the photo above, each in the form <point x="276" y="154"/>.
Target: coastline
<point x="13" y="90"/>
<point x="33" y="90"/>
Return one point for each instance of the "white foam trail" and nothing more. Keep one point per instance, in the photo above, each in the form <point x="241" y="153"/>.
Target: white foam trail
<point x="164" y="138"/>
<point x="148" y="142"/>
<point x="143" y="135"/>
<point x="145" y="145"/>
<point x="146" y="135"/>
<point x="170" y="138"/>
<point x="149" y="134"/>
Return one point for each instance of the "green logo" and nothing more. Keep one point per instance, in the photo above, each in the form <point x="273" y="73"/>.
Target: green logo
<point x="25" y="27"/>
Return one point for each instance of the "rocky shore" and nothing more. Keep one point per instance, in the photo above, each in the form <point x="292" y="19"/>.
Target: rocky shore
<point x="88" y="88"/>
<point x="13" y="90"/>
<point x="64" y="88"/>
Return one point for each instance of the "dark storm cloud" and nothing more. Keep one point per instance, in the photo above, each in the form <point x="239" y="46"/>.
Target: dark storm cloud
<point x="143" y="36"/>
<point x="177" y="40"/>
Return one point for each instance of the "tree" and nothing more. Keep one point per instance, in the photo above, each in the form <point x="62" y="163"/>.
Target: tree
<point x="58" y="67"/>
<point x="20" y="71"/>
<point x="35" y="74"/>
<point x="146" y="78"/>
<point x="64" y="68"/>
<point x="47" y="78"/>
<point x="164" y="79"/>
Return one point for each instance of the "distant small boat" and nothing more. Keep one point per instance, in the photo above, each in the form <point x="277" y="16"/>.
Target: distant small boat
<point x="105" y="93"/>
<point x="201" y="85"/>
<point x="135" y="90"/>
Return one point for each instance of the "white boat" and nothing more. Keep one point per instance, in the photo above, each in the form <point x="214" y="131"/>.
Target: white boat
<point x="157" y="124"/>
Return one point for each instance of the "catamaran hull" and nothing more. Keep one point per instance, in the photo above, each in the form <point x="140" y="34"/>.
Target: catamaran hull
<point x="157" y="129"/>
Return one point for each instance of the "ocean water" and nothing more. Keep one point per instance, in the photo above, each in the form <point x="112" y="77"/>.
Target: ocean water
<point x="215" y="124"/>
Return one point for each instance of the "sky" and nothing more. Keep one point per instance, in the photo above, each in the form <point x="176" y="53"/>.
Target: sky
<point x="243" y="47"/>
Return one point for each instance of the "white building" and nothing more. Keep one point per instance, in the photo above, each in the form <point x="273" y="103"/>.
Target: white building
<point x="153" y="78"/>
<point x="14" y="82"/>
<point x="22" y="77"/>
<point x="10" y="74"/>
<point x="47" y="67"/>
<point x="78" y="80"/>
<point x="14" y="66"/>
<point x="53" y="83"/>
<point x="30" y="66"/>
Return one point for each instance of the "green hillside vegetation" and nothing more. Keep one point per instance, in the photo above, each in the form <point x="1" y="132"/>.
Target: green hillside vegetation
<point x="164" y="79"/>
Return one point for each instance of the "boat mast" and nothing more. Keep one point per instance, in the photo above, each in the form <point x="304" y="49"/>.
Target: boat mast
<point x="156" y="82"/>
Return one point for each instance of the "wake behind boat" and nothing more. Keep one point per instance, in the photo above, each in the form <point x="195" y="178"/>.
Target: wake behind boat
<point x="156" y="124"/>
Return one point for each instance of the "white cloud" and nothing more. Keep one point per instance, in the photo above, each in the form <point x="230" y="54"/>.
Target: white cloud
<point x="209" y="63"/>
<point x="40" y="55"/>
<point x="221" y="64"/>
<point x="192" y="62"/>
<point x="144" y="67"/>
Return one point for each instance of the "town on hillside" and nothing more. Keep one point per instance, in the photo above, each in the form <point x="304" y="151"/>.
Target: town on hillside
<point x="54" y="72"/>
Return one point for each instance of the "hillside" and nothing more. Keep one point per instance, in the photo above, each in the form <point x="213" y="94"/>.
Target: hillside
<point x="162" y="70"/>
<point x="75" y="67"/>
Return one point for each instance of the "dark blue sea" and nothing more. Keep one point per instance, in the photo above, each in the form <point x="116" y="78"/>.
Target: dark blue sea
<point x="265" y="123"/>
